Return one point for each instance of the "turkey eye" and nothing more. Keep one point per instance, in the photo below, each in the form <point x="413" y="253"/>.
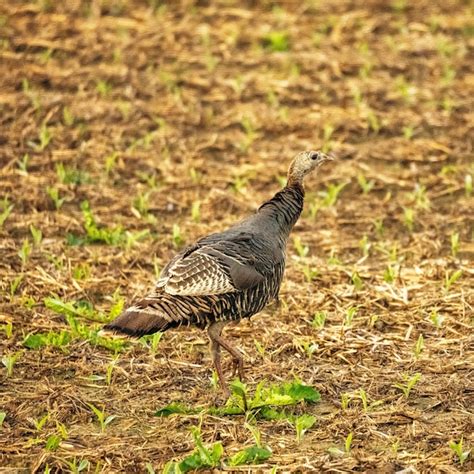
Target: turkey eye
<point x="315" y="156"/>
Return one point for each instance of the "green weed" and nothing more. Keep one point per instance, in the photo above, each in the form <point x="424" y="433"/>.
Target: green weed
<point x="302" y="424"/>
<point x="101" y="416"/>
<point x="319" y="319"/>
<point x="9" y="361"/>
<point x="458" y="450"/>
<point x="53" y="193"/>
<point x="7" y="208"/>
<point x="451" y="279"/>
<point x="276" y="41"/>
<point x="408" y="383"/>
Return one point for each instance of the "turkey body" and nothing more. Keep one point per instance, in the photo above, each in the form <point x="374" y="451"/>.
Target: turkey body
<point x="225" y="276"/>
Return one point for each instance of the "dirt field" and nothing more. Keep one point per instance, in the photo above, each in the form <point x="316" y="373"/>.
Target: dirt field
<point x="175" y="120"/>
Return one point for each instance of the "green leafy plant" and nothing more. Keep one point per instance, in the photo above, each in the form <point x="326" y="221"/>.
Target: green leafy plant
<point x="331" y="194"/>
<point x="408" y="383"/>
<point x="419" y="346"/>
<point x="7" y="208"/>
<point x="202" y="457"/>
<point x="319" y="319"/>
<point x="436" y="318"/>
<point x="151" y="341"/>
<point x="196" y="211"/>
<point x="45" y="136"/>
<point x="251" y="455"/>
<point x="349" y="316"/>
<point x="37" y="235"/>
<point x="7" y="328"/>
<point x="3" y="415"/>
<point x="23" y="164"/>
<point x="454" y="244"/>
<point x="101" y="416"/>
<point x="277" y="41"/>
<point x="451" y="279"/>
<point x="53" y="442"/>
<point x="302" y="424"/>
<point x="53" y="193"/>
<point x="409" y="218"/>
<point x="458" y="450"/>
<point x="70" y="175"/>
<point x="365" y="185"/>
<point x="78" y="465"/>
<point x="301" y="249"/>
<point x="24" y="252"/>
<point x="310" y="273"/>
<point x="262" y="404"/>
<point x="9" y="361"/>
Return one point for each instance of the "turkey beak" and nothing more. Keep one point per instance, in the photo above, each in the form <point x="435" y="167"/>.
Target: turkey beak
<point x="323" y="157"/>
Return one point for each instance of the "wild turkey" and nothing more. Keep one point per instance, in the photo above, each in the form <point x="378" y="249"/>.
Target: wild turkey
<point x="225" y="276"/>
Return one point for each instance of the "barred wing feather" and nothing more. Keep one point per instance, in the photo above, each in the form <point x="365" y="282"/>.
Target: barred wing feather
<point x="208" y="270"/>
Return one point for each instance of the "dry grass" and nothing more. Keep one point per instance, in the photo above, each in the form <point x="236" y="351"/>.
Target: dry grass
<point x="190" y="103"/>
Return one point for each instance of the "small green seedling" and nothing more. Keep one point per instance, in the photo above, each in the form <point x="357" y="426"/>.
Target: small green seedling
<point x="365" y="185"/>
<point x="76" y="466"/>
<point x="319" y="319"/>
<point x="9" y="362"/>
<point x="40" y="422"/>
<point x="357" y="281"/>
<point x="363" y="398"/>
<point x="109" y="370"/>
<point x="196" y="211"/>
<point x="101" y="417"/>
<point x="276" y="41"/>
<point x="202" y="457"/>
<point x="449" y="280"/>
<point x="458" y="450"/>
<point x="436" y="318"/>
<point x="45" y="137"/>
<point x="302" y="424"/>
<point x="3" y="415"/>
<point x="68" y="117"/>
<point x="328" y="130"/>
<point x="110" y="162"/>
<point x="409" y="218"/>
<point x="8" y="329"/>
<point x="349" y="316"/>
<point x="23" y="164"/>
<point x="389" y="274"/>
<point x="177" y="238"/>
<point x="15" y="283"/>
<point x="345" y="399"/>
<point x="348" y="442"/>
<point x="454" y="244"/>
<point x="7" y="209"/>
<point x="301" y="249"/>
<point x="365" y="245"/>
<point x="37" y="235"/>
<point x="152" y="341"/>
<point x="419" y="346"/>
<point x="24" y="252"/>
<point x="408" y="383"/>
<point x="331" y="194"/>
<point x="310" y="273"/>
<point x="53" y="442"/>
<point x="103" y="88"/>
<point x="53" y="193"/>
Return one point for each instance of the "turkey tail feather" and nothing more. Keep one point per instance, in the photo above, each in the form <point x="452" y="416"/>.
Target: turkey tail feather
<point x="139" y="321"/>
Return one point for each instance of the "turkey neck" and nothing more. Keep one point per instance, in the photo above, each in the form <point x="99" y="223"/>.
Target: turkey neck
<point x="284" y="208"/>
